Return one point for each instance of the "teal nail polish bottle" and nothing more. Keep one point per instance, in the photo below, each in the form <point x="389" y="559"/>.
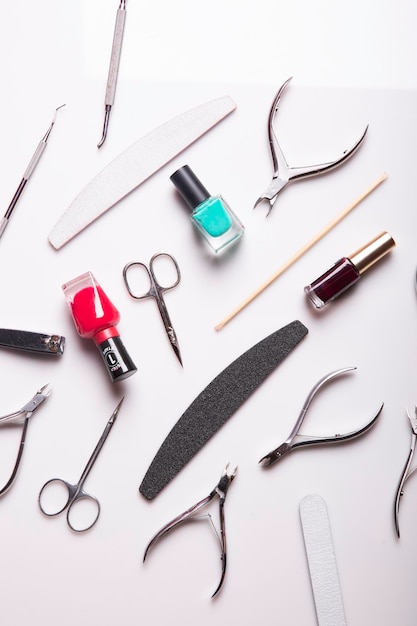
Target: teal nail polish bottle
<point x="211" y="215"/>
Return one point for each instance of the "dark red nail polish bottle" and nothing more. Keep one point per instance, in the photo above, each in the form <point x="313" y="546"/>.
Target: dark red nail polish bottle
<point x="95" y="317"/>
<point x="347" y="271"/>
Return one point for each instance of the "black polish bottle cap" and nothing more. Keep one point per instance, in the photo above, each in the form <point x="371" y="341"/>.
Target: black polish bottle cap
<point x="116" y="358"/>
<point x="189" y="186"/>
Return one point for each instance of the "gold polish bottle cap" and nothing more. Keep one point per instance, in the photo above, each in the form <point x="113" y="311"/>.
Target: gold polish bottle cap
<point x="369" y="254"/>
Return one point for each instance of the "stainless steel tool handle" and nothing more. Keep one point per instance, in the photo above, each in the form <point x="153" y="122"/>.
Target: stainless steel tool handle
<point x="115" y="56"/>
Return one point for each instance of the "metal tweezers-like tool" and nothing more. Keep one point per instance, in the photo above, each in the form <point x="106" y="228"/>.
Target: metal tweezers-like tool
<point x="294" y="440"/>
<point x="407" y="472"/>
<point x="25" y="413"/>
<point x="219" y="490"/>
<point x="283" y="173"/>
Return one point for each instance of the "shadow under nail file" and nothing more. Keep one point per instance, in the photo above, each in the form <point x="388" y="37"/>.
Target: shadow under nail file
<point x="216" y="403"/>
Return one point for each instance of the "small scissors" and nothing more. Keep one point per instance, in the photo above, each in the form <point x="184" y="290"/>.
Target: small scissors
<point x="283" y="173"/>
<point x="219" y="490"/>
<point x="406" y="471"/>
<point x="25" y="413"/>
<point x="294" y="440"/>
<point x="156" y="291"/>
<point x="69" y="495"/>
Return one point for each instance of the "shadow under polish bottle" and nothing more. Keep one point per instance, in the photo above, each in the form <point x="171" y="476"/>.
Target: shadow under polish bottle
<point x="347" y="271"/>
<point x="211" y="215"/>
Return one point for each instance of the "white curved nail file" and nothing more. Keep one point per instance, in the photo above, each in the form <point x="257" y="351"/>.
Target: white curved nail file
<point x="322" y="562"/>
<point x="128" y="170"/>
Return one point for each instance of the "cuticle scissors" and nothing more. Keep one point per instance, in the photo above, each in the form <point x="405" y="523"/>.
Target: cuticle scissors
<point x="156" y="291"/>
<point x="219" y="490"/>
<point x="25" y="413"/>
<point x="295" y="440"/>
<point x="75" y="493"/>
<point x="283" y="173"/>
<point x="407" y="472"/>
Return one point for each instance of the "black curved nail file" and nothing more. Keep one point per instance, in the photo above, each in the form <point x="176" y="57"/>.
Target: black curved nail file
<point x="219" y="400"/>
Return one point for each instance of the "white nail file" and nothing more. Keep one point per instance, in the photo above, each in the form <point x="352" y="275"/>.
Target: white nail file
<point x="128" y="170"/>
<point x="322" y="562"/>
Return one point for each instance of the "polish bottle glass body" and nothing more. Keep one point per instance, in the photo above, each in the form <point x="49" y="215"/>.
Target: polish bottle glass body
<point x="211" y="215"/>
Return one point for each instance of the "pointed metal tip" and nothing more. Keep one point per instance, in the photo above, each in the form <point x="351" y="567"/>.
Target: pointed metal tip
<point x="102" y="140"/>
<point x="265" y="461"/>
<point x="48" y="132"/>
<point x="105" y="126"/>
<point x="177" y="353"/>
<point x="262" y="200"/>
<point x="56" y="112"/>
<point x="175" y="347"/>
<point x="117" y="409"/>
<point x="46" y="390"/>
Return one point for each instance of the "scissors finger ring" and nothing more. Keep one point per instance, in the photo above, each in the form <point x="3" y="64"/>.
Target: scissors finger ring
<point x="152" y="263"/>
<point x="156" y="291"/>
<point x="57" y="495"/>
<point x="83" y="509"/>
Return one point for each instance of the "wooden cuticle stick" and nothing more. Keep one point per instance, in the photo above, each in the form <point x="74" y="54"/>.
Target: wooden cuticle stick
<point x="302" y="251"/>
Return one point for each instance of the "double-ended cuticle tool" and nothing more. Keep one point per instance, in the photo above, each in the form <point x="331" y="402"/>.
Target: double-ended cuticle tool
<point x="219" y="490"/>
<point x="284" y="174"/>
<point x="25" y="413"/>
<point x="114" y="67"/>
<point x="28" y="173"/>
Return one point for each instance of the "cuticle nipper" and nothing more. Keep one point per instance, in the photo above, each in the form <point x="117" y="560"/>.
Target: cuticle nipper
<point x="219" y="490"/>
<point x="407" y="472"/>
<point x="295" y="440"/>
<point x="284" y="174"/>
<point x="25" y="413"/>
